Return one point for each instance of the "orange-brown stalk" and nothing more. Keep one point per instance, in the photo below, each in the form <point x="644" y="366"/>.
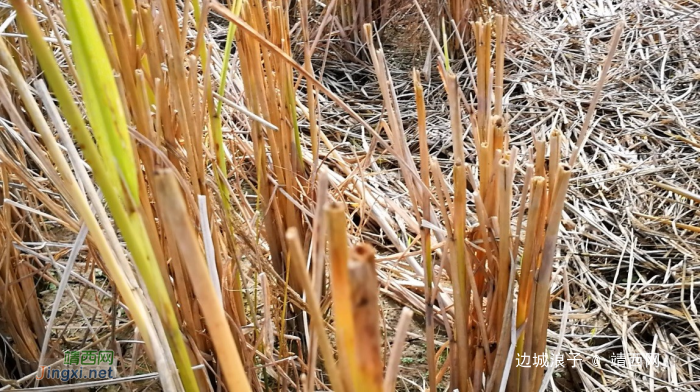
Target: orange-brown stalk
<point x="483" y="59"/>
<point x="554" y="157"/>
<point x="525" y="283"/>
<point x="459" y="259"/>
<point x="365" y="309"/>
<point x="342" y="294"/>
<point x="504" y="245"/>
<point x="539" y="158"/>
<point x="175" y="215"/>
<point x="544" y="273"/>
<point x="269" y="94"/>
<point x="501" y="33"/>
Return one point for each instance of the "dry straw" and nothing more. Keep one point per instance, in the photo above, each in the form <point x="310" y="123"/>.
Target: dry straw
<point x="229" y="216"/>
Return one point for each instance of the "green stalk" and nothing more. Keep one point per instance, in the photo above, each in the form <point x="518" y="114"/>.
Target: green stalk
<point x="217" y="137"/>
<point x="291" y="108"/>
<point x="220" y="172"/>
<point x="79" y="201"/>
<point x="196" y="10"/>
<point x="446" y="52"/>
<point x="236" y="9"/>
<point x="100" y="94"/>
<point x="106" y="114"/>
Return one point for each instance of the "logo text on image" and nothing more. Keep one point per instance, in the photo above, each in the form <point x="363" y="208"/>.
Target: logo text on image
<point x="87" y="365"/>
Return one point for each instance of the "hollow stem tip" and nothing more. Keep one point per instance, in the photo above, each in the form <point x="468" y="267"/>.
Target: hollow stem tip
<point x="365" y="309"/>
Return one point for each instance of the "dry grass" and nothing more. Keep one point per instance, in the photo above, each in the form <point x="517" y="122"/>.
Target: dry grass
<point x="259" y="155"/>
